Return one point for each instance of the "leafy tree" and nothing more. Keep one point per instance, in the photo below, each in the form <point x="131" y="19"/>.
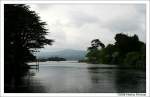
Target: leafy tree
<point x="94" y="53"/>
<point x="127" y="44"/>
<point x="127" y="51"/>
<point x="135" y="60"/>
<point x="95" y="44"/>
<point x="24" y="33"/>
<point x="106" y="54"/>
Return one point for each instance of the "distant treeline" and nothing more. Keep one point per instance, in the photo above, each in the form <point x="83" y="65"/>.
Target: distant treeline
<point x="52" y="59"/>
<point x="127" y="51"/>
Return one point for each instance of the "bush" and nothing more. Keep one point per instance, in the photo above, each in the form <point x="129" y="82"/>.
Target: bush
<point x="134" y="59"/>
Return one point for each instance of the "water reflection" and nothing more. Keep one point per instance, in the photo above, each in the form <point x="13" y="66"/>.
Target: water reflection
<point x="130" y="81"/>
<point x="102" y="80"/>
<point x="25" y="84"/>
<point x="73" y="77"/>
<point x="64" y="79"/>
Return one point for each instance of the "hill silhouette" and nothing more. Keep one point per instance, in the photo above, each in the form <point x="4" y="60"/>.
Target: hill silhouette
<point x="68" y="54"/>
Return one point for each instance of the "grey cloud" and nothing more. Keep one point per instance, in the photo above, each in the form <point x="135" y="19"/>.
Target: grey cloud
<point x="131" y="23"/>
<point x="141" y="8"/>
<point x="81" y="18"/>
<point x="120" y="25"/>
<point x="74" y="26"/>
<point x="44" y="6"/>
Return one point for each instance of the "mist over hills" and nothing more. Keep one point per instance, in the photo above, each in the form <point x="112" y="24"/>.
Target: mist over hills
<point x="68" y="54"/>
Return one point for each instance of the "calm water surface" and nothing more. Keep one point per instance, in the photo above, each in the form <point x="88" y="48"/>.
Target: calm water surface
<point x="74" y="77"/>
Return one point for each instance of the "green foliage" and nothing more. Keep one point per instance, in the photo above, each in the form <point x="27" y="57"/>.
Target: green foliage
<point x="126" y="43"/>
<point x="93" y="54"/>
<point x="136" y="59"/>
<point x="95" y="44"/>
<point x="127" y="51"/>
<point x="107" y="54"/>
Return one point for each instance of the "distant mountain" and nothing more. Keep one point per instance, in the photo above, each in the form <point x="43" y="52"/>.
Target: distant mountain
<point x="68" y="54"/>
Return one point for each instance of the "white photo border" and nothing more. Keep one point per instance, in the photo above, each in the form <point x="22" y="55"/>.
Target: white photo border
<point x="71" y="2"/>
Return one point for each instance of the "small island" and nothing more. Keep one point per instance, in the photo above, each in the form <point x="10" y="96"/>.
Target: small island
<point x="52" y="59"/>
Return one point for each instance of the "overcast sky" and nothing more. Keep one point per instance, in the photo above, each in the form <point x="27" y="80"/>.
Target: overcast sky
<point x="73" y="26"/>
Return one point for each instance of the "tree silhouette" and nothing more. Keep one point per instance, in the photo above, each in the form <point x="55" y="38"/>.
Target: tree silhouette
<point x="127" y="51"/>
<point x="93" y="54"/>
<point x="127" y="44"/>
<point x="24" y="33"/>
<point x="95" y="44"/>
